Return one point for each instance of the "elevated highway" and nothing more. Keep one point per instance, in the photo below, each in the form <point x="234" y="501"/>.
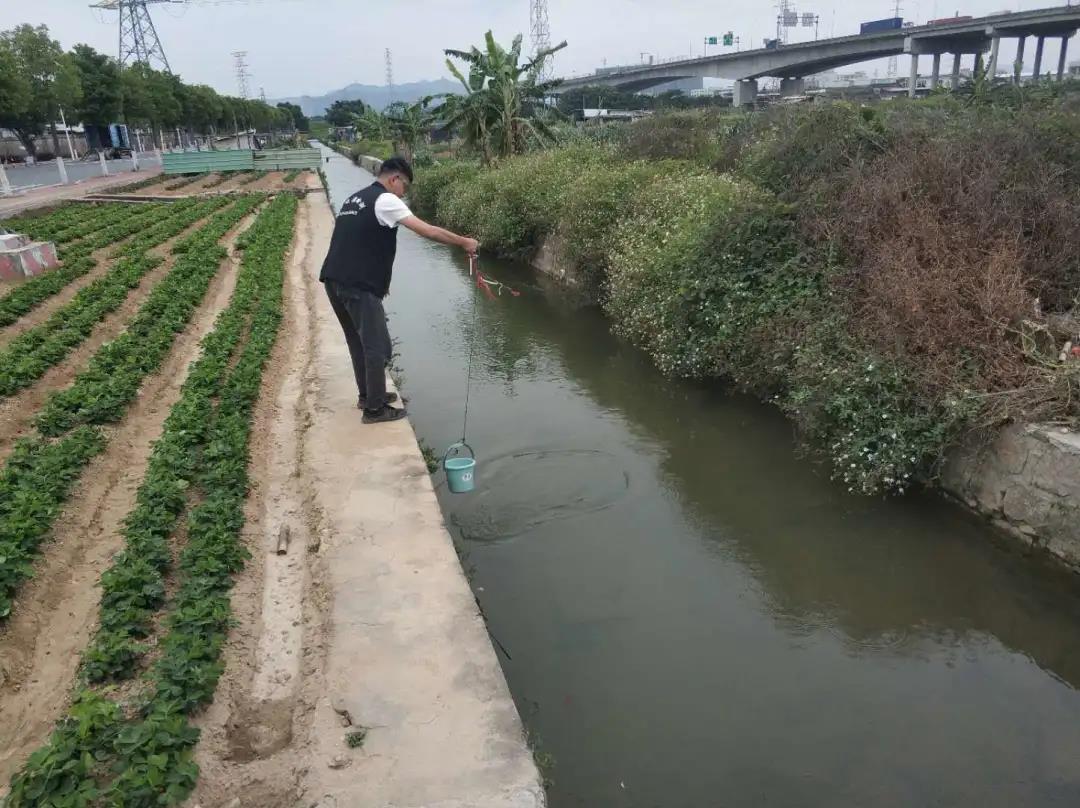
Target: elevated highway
<point x="790" y="63"/>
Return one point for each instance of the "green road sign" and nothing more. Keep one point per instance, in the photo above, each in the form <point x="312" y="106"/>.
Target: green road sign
<point x="711" y="41"/>
<point x="729" y="39"/>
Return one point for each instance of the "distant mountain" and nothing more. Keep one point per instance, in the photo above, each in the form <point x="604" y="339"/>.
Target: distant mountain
<point x="372" y="95"/>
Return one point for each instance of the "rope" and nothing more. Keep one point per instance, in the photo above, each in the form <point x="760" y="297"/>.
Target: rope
<point x="472" y="349"/>
<point x="484" y="285"/>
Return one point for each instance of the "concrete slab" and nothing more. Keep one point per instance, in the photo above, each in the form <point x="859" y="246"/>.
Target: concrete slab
<point x="27" y="260"/>
<point x="410" y="659"/>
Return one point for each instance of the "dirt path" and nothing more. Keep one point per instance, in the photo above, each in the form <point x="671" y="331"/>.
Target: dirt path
<point x="57" y="610"/>
<point x="255" y="733"/>
<point x="17" y="412"/>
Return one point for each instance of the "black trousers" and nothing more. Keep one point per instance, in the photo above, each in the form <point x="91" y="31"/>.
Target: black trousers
<point x="363" y="320"/>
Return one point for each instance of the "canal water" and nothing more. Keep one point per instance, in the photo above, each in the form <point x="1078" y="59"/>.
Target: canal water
<point x="688" y="612"/>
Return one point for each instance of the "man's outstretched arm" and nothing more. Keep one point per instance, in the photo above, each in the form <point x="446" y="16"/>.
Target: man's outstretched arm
<point x="430" y="231"/>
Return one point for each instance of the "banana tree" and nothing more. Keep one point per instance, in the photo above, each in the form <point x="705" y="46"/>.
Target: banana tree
<point x="504" y="97"/>
<point x="408" y="124"/>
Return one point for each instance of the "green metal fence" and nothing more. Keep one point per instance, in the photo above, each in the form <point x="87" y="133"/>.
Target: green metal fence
<point x="287" y="159"/>
<point x="241" y="160"/>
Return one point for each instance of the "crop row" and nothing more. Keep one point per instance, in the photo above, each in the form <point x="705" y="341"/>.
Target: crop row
<point x="133" y="589"/>
<point x="184" y="181"/>
<point x="98" y="755"/>
<point x="76" y="260"/>
<point x="33" y="352"/>
<point x="29" y="483"/>
<point x="222" y="178"/>
<point x="138" y="185"/>
<point x="117" y="214"/>
<point x="45" y="226"/>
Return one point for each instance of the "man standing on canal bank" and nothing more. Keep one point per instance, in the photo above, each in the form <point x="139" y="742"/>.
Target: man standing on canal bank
<point x="356" y="273"/>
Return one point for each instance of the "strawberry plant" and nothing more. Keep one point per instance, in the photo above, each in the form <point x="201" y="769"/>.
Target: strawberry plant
<point x="37" y="477"/>
<point x="96" y="755"/>
<point x="33" y="352"/>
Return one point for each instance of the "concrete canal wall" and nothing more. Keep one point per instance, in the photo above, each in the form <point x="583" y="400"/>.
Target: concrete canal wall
<point x="1027" y="481"/>
<point x="409" y="655"/>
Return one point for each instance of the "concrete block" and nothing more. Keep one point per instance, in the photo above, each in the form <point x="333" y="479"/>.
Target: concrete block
<point x="11" y="241"/>
<point x="28" y="260"/>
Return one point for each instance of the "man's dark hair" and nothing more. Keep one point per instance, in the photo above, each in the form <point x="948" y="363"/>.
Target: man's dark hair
<point x="397" y="165"/>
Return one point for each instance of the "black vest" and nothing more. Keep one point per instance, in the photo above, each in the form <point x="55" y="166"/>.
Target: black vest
<point x="361" y="251"/>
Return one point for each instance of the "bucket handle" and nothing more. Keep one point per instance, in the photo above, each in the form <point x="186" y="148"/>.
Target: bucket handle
<point x="459" y="445"/>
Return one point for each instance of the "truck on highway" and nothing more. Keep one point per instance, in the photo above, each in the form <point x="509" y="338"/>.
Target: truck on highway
<point x="881" y="26"/>
<point x="949" y="20"/>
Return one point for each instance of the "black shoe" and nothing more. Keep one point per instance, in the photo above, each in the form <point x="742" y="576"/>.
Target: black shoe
<point x="361" y="403"/>
<point x="387" y="413"/>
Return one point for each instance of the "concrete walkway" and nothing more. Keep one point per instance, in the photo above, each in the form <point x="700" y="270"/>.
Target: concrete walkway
<point x="42" y="197"/>
<point x="409" y="656"/>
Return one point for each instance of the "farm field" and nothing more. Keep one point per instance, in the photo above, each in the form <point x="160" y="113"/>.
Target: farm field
<point x="183" y="185"/>
<point x="130" y="380"/>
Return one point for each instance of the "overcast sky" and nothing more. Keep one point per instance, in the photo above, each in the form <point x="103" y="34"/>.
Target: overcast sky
<point x="313" y="46"/>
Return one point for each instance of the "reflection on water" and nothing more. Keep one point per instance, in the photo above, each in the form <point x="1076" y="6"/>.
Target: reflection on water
<point x="695" y="615"/>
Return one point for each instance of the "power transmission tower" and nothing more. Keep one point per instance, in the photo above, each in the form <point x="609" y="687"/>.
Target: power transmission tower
<point x="242" y="74"/>
<point x="139" y="41"/>
<point x="541" y="35"/>
<point x="389" y="75"/>
<point x="893" y="60"/>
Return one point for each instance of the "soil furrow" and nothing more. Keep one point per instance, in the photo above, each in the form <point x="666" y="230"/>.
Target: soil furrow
<point x="44" y="310"/>
<point x="252" y="745"/>
<point x="57" y="611"/>
<point x="18" y="411"/>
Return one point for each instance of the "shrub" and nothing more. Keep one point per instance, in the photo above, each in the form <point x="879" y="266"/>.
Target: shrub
<point x="879" y="431"/>
<point x="426" y="191"/>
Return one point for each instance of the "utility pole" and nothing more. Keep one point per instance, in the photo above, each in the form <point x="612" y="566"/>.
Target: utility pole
<point x="139" y="42"/>
<point x="540" y="27"/>
<point x="389" y="75"/>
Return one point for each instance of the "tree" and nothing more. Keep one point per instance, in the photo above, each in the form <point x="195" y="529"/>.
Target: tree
<point x="341" y="113"/>
<point x="408" y="124"/>
<point x="204" y="108"/>
<point x="99" y="76"/>
<point x="370" y="124"/>
<point x="14" y="88"/>
<point x="52" y="79"/>
<point x="296" y="116"/>
<point x="504" y="99"/>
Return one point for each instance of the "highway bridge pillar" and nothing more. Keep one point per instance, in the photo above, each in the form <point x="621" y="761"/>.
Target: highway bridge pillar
<point x="745" y="93"/>
<point x="955" y="82"/>
<point x="935" y="77"/>
<point x="995" y="49"/>
<point x="1018" y="65"/>
<point x="913" y="80"/>
<point x="792" y="87"/>
<point x="1061" y="58"/>
<point x="1037" y="70"/>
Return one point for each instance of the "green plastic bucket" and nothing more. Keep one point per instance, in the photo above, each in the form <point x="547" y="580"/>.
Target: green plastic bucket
<point x="460" y="471"/>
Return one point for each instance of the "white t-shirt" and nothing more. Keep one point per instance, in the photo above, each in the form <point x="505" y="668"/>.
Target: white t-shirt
<point x="390" y="210"/>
